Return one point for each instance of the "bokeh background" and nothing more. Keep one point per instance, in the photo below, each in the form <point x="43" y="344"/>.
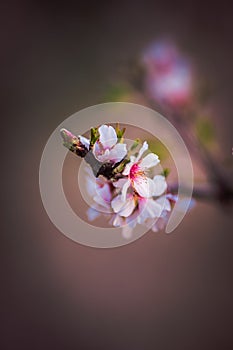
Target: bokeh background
<point x="161" y="292"/>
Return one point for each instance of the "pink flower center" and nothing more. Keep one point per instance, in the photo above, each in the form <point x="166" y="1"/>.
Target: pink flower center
<point x="135" y="171"/>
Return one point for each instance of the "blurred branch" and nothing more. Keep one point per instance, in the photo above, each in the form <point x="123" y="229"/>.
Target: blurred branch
<point x="204" y="192"/>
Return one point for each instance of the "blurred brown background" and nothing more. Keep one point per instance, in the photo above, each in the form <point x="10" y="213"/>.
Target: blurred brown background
<point x="161" y="292"/>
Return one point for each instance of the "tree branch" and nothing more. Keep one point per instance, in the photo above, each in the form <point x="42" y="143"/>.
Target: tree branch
<point x="108" y="170"/>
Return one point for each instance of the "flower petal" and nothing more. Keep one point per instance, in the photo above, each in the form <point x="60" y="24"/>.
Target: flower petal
<point x="128" y="208"/>
<point x="101" y="156"/>
<point x="120" y="183"/>
<point x="142" y="150"/>
<point x="102" y="208"/>
<point x="117" y="204"/>
<point x="118" y="221"/>
<point x="92" y="214"/>
<point x="108" y="136"/>
<point x="148" y="209"/>
<point x="123" y="208"/>
<point x="144" y="186"/>
<point x="160" y="185"/>
<point x="100" y="203"/>
<point x="125" y="189"/>
<point x="164" y="202"/>
<point x="105" y="193"/>
<point x="118" y="152"/>
<point x="149" y="161"/>
<point x="131" y="220"/>
<point x="84" y="141"/>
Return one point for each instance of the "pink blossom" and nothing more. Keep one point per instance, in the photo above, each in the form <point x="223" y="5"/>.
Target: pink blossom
<point x="169" y="76"/>
<point x="153" y="213"/>
<point x="107" y="148"/>
<point x="99" y="190"/>
<point x="135" y="171"/>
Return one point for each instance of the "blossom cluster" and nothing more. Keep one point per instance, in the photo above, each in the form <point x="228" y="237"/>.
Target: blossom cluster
<point x="131" y="195"/>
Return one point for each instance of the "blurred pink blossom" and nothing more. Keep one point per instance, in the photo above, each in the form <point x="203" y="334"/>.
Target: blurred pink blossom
<point x="169" y="76"/>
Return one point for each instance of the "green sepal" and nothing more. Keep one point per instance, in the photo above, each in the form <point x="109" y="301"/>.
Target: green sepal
<point x="165" y="172"/>
<point x="120" y="132"/>
<point x="94" y="136"/>
<point x="121" y="166"/>
<point x="135" y="144"/>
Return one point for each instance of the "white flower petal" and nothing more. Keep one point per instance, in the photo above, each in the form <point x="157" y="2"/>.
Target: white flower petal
<point x="102" y="208"/>
<point x="108" y="136"/>
<point x="128" y="208"/>
<point x="149" y="161"/>
<point x="160" y="185"/>
<point x="84" y="141"/>
<point x="117" y="204"/>
<point x="105" y="193"/>
<point x="102" y="157"/>
<point x="118" y="152"/>
<point x="125" y="189"/>
<point x="144" y="186"/>
<point x="92" y="214"/>
<point x="142" y="150"/>
<point x="118" y="221"/>
<point x="123" y="208"/>
<point x="148" y="209"/>
<point x="97" y="149"/>
<point x="164" y="202"/>
<point x="91" y="185"/>
<point x="132" y="219"/>
<point x="120" y="183"/>
<point x="101" y="202"/>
